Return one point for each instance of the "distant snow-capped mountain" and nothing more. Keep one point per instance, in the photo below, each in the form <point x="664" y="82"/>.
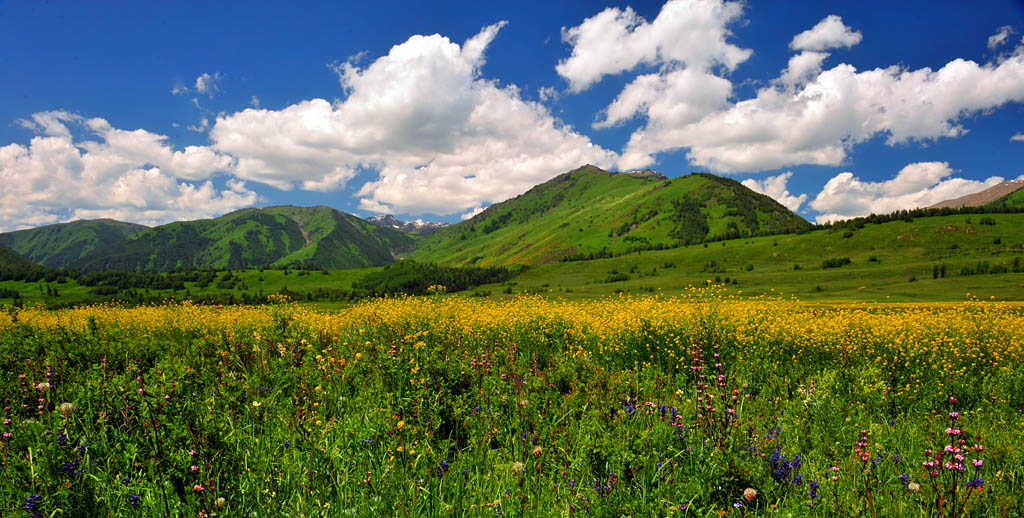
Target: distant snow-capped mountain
<point x="417" y="227"/>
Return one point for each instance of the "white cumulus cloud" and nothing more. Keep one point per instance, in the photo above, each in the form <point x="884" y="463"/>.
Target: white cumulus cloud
<point x="1000" y="37"/>
<point x="829" y="33"/>
<point x="110" y="173"/>
<point x="443" y="139"/>
<point x="813" y="116"/>
<point x="206" y="84"/>
<point x="917" y="185"/>
<point x="547" y="93"/>
<point x="1018" y="137"/>
<point x="775" y="187"/>
<point x="809" y="114"/>
<point x="802" y="68"/>
<point x="685" y="32"/>
<point x="471" y="212"/>
<point x="203" y="125"/>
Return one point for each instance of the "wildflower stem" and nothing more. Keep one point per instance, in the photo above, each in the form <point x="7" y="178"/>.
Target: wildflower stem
<point x="159" y="454"/>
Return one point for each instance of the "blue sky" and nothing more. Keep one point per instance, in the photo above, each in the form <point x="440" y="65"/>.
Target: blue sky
<point x="157" y="113"/>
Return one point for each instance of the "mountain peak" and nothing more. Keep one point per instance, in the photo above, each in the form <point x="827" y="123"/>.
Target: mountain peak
<point x="648" y="173"/>
<point x="416" y="227"/>
<point x="589" y="212"/>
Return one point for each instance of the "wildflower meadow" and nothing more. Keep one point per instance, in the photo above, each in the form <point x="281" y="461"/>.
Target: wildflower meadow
<point x="697" y="405"/>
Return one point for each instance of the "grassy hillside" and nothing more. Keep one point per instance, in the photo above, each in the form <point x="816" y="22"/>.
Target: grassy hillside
<point x="57" y="246"/>
<point x="941" y="258"/>
<point x="1014" y="199"/>
<point x="251" y="237"/>
<point x="11" y="259"/>
<point x="589" y="212"/>
<point x="936" y="258"/>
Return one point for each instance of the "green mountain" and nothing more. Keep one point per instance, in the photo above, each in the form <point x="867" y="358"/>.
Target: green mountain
<point x="282" y="235"/>
<point x="11" y="259"/>
<point x="57" y="246"/>
<point x="1014" y="199"/>
<point x="590" y="213"/>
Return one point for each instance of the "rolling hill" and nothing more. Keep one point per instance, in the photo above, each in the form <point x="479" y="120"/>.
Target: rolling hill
<point x="283" y="235"/>
<point x="589" y="213"/>
<point x="925" y="259"/>
<point x="11" y="259"/>
<point x="57" y="246"/>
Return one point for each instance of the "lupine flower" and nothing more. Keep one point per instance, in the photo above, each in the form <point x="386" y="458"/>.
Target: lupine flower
<point x="32" y="505"/>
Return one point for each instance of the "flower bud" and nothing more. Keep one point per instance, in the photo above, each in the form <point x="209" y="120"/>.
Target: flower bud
<point x="66" y="409"/>
<point x="749" y="494"/>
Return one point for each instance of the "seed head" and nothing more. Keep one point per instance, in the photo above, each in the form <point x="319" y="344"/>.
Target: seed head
<point x="749" y="494"/>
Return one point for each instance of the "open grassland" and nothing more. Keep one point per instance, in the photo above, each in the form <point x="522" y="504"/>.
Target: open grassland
<point x="943" y="258"/>
<point x="454" y="406"/>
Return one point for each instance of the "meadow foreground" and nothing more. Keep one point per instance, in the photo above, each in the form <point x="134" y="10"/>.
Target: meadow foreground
<point x="698" y="405"/>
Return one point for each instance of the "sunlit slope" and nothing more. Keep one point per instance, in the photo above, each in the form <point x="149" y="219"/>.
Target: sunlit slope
<point x="589" y="212"/>
<point x="250" y="237"/>
<point x="934" y="258"/>
<point x="1014" y="199"/>
<point x="57" y="246"/>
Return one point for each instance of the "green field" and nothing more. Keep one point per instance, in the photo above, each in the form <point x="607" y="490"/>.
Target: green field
<point x="453" y="406"/>
<point x="895" y="261"/>
<point x="941" y="258"/>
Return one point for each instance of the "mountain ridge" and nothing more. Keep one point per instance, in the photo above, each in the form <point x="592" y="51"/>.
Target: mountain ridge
<point x="60" y="244"/>
<point x="589" y="212"/>
<point x="988" y="196"/>
<point x="416" y="227"/>
<point x="279" y="235"/>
